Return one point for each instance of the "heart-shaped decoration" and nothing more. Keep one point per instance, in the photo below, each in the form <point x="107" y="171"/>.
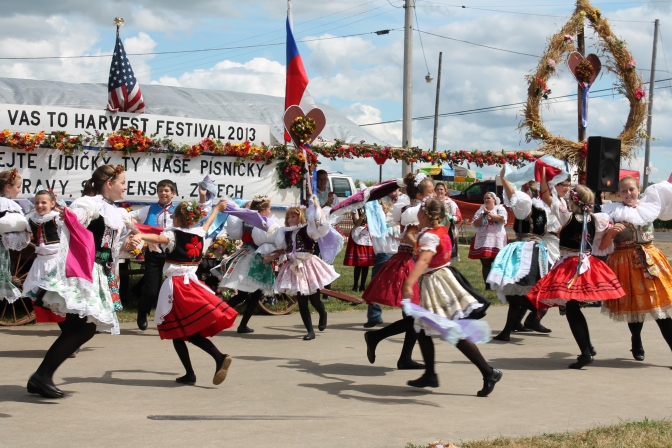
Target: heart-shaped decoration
<point x="293" y="112"/>
<point x="575" y="58"/>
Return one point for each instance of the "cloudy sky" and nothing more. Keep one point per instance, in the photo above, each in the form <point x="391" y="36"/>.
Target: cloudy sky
<point x="350" y="67"/>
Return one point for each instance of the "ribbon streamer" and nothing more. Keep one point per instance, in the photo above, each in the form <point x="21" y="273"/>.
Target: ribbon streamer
<point x="582" y="248"/>
<point x="584" y="106"/>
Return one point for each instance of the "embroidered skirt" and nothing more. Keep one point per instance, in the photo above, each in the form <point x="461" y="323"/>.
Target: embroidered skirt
<point x="646" y="277"/>
<point x="194" y="309"/>
<point x="304" y="274"/>
<point x="245" y="270"/>
<point x="596" y="283"/>
<point x="517" y="268"/>
<point x="358" y="255"/>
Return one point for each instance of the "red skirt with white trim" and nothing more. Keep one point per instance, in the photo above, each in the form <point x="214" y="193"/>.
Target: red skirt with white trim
<point x="358" y="255"/>
<point x="482" y="252"/>
<point x="598" y="283"/>
<point x="196" y="310"/>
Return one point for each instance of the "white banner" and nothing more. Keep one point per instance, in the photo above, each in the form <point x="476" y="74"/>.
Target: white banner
<point x="22" y="118"/>
<point x="66" y="174"/>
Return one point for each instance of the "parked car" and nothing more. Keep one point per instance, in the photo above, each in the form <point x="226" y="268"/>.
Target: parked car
<point x="475" y="192"/>
<point x="342" y="185"/>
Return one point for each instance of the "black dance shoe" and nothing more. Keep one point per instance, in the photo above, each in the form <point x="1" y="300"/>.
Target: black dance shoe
<point x="489" y="383"/>
<point x="373" y="323"/>
<point x="222" y="371"/>
<point x="581" y="362"/>
<point x="425" y="381"/>
<point x="535" y="325"/>
<point x="370" y="347"/>
<point x="504" y="337"/>
<point x="245" y="329"/>
<point x="638" y="354"/>
<point x="37" y="386"/>
<point x="409" y="365"/>
<point x="520" y="328"/>
<point x="189" y="379"/>
<point x="142" y="321"/>
<point x="323" y="322"/>
<point x="309" y="337"/>
<point x="592" y="351"/>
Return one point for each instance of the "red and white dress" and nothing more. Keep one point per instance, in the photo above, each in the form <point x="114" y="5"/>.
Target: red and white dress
<point x="490" y="237"/>
<point x="359" y="251"/>
<point x="186" y="305"/>
<point x="593" y="281"/>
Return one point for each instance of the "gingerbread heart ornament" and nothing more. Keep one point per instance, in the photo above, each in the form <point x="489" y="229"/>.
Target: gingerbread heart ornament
<point x="294" y="112"/>
<point x="575" y="58"/>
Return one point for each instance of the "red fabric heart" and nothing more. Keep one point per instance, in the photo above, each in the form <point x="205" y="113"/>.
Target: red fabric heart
<point x="575" y="58"/>
<point x="316" y="114"/>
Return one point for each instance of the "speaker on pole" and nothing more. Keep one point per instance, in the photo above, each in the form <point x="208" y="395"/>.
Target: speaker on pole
<point x="603" y="164"/>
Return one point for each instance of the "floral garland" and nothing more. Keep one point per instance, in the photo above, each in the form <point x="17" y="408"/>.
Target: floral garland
<point x="26" y="141"/>
<point x="303" y="127"/>
<point x="290" y="168"/>
<point x="222" y="247"/>
<point x="619" y="61"/>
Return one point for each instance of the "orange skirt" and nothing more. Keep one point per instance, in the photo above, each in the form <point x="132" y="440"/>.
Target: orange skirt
<point x="646" y="277"/>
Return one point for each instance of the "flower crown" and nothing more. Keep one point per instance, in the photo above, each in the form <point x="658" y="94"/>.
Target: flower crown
<point x="419" y="178"/>
<point x="193" y="212"/>
<point x="261" y="198"/>
<point x="117" y="171"/>
<point x="12" y="176"/>
<point x="577" y="201"/>
<point x="423" y="206"/>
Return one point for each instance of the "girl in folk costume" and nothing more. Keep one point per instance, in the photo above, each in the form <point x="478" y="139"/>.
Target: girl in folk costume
<point x="13" y="228"/>
<point x="188" y="310"/>
<point x="577" y="277"/>
<point x="303" y="274"/>
<point x="386" y="286"/>
<point x="520" y="265"/>
<point x="82" y="287"/>
<point x="453" y="216"/>
<point x="45" y="236"/>
<point x="245" y="269"/>
<point x="359" y="252"/>
<point x="490" y="237"/>
<point x="643" y="270"/>
<point x="443" y="303"/>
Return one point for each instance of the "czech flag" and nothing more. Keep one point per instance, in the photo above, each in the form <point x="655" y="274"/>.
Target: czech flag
<point x="296" y="92"/>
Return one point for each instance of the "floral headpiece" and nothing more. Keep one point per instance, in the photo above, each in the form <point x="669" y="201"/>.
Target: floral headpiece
<point x="424" y="202"/>
<point x="261" y="198"/>
<point x="419" y="178"/>
<point x="12" y="176"/>
<point x="575" y="198"/>
<point x="117" y="171"/>
<point x="193" y="212"/>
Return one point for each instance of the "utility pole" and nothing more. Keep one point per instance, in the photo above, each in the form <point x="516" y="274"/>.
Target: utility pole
<point x="436" y="107"/>
<point x="647" y="147"/>
<point x="407" y="116"/>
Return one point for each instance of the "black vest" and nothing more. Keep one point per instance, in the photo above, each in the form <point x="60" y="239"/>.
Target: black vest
<point x="304" y="243"/>
<point x="188" y="249"/>
<point x="570" y="235"/>
<point x="535" y="223"/>
<point x="49" y="231"/>
<point x="103" y="236"/>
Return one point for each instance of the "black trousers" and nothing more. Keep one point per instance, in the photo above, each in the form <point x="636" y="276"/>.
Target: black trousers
<point x="152" y="279"/>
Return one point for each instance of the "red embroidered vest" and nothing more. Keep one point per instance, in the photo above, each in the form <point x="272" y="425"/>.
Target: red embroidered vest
<point x="443" y="250"/>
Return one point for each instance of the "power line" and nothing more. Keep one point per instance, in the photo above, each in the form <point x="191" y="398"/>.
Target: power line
<point x="504" y="106"/>
<point x="415" y="12"/>
<point x="480" y="45"/>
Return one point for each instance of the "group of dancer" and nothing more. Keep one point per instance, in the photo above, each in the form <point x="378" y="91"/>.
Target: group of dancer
<point x="553" y="262"/>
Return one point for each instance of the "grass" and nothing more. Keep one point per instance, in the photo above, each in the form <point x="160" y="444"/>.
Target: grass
<point x="471" y="269"/>
<point x="646" y="433"/>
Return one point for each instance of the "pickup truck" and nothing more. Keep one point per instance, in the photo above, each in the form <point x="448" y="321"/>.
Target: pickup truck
<point x="474" y="193"/>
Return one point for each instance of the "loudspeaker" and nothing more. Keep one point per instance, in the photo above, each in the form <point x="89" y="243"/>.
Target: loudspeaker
<point x="603" y="163"/>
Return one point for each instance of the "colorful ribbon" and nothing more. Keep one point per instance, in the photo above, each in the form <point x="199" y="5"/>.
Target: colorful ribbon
<point x="584" y="106"/>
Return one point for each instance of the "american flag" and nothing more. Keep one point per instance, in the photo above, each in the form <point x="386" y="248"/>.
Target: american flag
<point x="124" y="93"/>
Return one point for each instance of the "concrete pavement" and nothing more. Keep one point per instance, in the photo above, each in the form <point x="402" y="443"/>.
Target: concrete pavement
<point x="286" y="392"/>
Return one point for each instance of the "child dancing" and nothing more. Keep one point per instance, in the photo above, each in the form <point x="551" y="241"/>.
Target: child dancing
<point x="187" y="309"/>
<point x="443" y="302"/>
<point x="303" y="274"/>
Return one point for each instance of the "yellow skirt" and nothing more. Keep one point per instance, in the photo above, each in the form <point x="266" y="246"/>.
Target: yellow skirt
<point x="646" y="277"/>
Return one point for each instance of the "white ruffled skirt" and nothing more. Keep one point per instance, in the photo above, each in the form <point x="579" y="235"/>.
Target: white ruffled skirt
<point x="304" y="274"/>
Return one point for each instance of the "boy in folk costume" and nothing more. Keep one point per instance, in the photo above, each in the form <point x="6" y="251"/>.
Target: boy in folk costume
<point x="155" y="215"/>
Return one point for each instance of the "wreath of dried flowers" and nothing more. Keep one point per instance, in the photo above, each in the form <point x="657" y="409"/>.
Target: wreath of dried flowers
<point x="618" y="61"/>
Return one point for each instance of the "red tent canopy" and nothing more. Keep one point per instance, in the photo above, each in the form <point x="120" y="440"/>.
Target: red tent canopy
<point x="632" y="173"/>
